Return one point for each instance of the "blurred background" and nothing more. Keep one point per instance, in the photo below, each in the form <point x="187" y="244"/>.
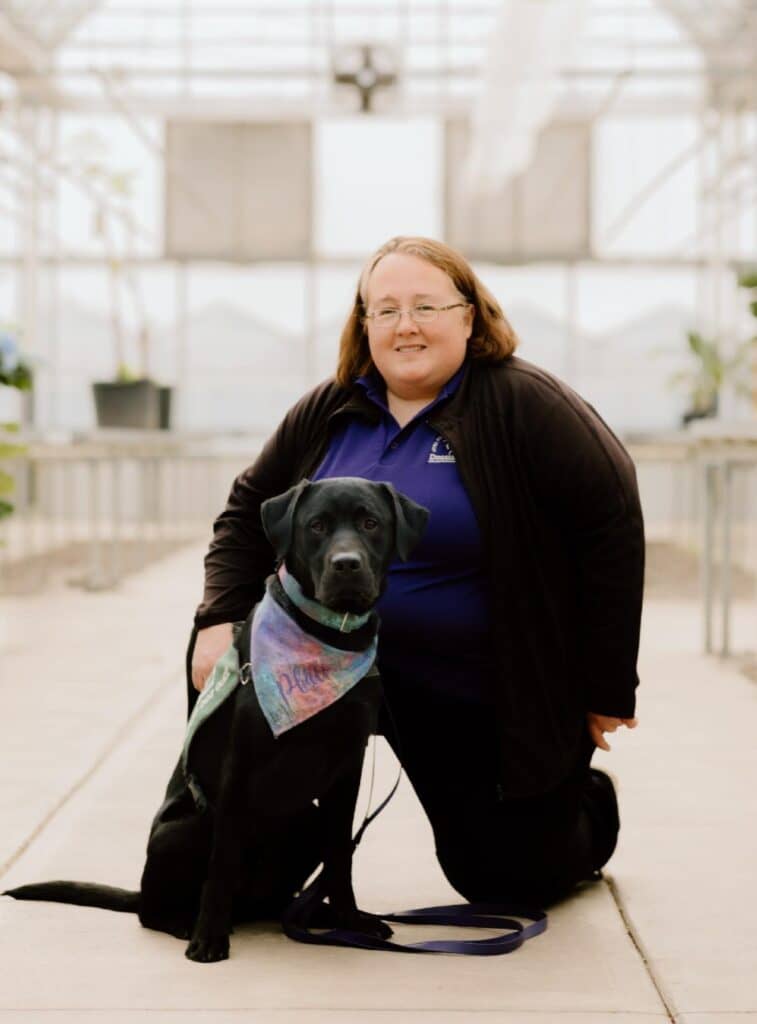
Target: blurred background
<point x="189" y="188"/>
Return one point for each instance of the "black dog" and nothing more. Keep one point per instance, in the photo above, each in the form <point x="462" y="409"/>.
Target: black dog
<point x="235" y="840"/>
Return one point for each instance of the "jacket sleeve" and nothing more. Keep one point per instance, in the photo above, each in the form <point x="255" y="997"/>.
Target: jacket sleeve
<point x="588" y="482"/>
<point x="240" y="557"/>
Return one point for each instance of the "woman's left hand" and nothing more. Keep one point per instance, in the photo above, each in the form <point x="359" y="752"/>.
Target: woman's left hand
<point x="600" y="724"/>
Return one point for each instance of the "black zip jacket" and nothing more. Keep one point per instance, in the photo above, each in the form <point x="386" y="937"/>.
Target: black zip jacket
<point x="556" y="499"/>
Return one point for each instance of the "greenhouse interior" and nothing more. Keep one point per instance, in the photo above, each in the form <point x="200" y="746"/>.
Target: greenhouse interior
<point x="190" y="191"/>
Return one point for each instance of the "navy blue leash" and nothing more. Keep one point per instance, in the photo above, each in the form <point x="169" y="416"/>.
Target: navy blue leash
<point x="465" y="915"/>
<point x="296" y="921"/>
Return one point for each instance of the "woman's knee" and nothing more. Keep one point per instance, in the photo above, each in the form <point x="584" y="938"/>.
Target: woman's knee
<point x="479" y="872"/>
<point x="506" y="886"/>
<point x="537" y="869"/>
<point x="600" y="805"/>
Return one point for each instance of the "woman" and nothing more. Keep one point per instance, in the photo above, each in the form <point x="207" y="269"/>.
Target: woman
<point x="509" y="641"/>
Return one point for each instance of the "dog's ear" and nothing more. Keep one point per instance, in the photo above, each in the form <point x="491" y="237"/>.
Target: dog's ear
<point x="277" y="515"/>
<point x="410" y="520"/>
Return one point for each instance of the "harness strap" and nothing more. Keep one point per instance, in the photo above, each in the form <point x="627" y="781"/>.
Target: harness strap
<point x="220" y="683"/>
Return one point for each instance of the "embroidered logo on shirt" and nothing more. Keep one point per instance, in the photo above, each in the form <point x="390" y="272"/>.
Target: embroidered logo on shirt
<point x="441" y="451"/>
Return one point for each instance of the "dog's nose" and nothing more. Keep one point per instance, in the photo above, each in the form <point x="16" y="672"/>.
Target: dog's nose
<point x="346" y="561"/>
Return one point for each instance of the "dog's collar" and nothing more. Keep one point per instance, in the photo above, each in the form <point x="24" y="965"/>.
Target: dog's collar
<point x="345" y="622"/>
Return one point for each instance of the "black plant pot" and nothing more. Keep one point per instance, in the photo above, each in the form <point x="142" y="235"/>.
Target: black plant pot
<point x="165" y="394"/>
<point x="133" y="404"/>
<point x="705" y="413"/>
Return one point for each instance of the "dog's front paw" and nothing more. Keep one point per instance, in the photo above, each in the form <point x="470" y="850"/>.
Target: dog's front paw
<point x="208" y="949"/>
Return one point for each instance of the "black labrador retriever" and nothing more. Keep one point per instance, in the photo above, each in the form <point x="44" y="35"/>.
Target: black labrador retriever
<point x="235" y="839"/>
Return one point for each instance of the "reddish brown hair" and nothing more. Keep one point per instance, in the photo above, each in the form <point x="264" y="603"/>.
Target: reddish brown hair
<point x="492" y="338"/>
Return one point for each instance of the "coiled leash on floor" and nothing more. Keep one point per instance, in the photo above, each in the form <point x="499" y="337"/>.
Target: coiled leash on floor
<point x="309" y="911"/>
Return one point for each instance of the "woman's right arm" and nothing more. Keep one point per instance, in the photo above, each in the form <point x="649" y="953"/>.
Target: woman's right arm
<point x="240" y="558"/>
<point x="210" y="644"/>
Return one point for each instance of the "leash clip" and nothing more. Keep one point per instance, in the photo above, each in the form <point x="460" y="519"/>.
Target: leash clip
<point x="245" y="673"/>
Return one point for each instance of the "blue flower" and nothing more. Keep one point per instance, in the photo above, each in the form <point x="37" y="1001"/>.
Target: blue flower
<point x="9" y="356"/>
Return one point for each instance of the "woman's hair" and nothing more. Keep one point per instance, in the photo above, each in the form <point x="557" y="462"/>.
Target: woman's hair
<point x="492" y="338"/>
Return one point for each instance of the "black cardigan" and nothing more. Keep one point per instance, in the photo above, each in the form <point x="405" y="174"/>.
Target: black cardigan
<point x="556" y="499"/>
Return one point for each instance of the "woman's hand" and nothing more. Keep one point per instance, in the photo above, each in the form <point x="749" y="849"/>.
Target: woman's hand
<point x="210" y="645"/>
<point x="600" y="724"/>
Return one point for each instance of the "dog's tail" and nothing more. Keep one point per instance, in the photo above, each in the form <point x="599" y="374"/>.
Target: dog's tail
<point x="83" y="894"/>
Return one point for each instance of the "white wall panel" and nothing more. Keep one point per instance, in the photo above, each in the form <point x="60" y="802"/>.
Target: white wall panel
<point x="238" y="191"/>
<point x="542" y="213"/>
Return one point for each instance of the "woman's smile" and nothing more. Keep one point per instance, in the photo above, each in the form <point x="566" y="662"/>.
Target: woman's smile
<point x="415" y="347"/>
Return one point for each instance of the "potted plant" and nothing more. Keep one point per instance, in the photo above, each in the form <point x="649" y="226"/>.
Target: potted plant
<point x="14" y="373"/>
<point x="131" y="399"/>
<point x="710" y="368"/>
<point x="748" y="280"/>
<point x="703" y="379"/>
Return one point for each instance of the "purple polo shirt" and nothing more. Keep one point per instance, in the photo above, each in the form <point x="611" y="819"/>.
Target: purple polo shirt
<point x="434" y="613"/>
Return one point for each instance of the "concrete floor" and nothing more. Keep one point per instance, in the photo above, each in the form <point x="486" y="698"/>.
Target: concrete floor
<point x="92" y="712"/>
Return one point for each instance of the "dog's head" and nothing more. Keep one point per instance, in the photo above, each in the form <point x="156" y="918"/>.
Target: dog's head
<point x="338" y="536"/>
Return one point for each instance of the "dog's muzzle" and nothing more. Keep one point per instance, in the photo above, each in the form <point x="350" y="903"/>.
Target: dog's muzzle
<point x="347" y="583"/>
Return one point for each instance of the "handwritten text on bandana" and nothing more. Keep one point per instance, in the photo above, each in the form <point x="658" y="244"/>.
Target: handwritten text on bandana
<point x="294" y="674"/>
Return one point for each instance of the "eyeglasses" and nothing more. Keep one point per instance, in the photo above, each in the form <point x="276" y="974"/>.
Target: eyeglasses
<point x="384" y="318"/>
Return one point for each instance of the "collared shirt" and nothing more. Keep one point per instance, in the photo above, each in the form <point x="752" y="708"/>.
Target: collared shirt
<point x="434" y="613"/>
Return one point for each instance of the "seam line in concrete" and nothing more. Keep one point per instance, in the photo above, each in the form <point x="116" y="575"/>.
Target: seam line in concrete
<point x="664" y="997"/>
<point x="116" y="740"/>
<point x="268" y="1010"/>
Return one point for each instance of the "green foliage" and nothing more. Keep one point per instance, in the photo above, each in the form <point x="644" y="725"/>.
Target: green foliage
<point x="20" y="376"/>
<point x="125" y="374"/>
<point x="748" y="279"/>
<point x="6" y="481"/>
<point x="710" y="369"/>
<point x="14" y="373"/>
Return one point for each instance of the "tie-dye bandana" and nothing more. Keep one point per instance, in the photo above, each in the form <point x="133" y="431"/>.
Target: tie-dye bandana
<point x="295" y="675"/>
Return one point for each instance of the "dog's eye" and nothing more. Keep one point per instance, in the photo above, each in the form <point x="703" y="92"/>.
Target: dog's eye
<point x="369" y="524"/>
<point x="317" y="526"/>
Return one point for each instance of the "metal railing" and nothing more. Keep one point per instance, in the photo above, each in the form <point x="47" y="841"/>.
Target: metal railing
<point x="727" y="467"/>
<point x="710" y="509"/>
<point x="94" y="510"/>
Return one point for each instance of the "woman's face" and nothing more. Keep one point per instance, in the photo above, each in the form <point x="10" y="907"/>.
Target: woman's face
<point x="416" y="360"/>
